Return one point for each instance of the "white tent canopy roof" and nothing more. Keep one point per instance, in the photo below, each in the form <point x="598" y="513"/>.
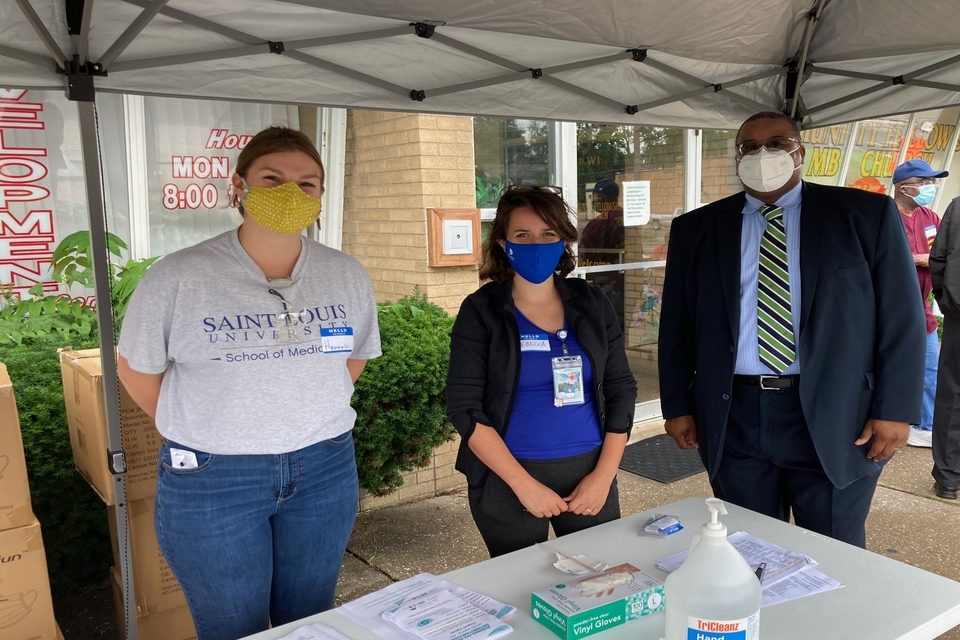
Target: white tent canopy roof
<point x="686" y="63"/>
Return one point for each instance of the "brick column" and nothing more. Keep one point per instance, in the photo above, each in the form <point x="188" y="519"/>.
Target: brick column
<point x="397" y="166"/>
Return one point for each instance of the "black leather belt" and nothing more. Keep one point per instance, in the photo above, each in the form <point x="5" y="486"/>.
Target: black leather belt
<point x="768" y="382"/>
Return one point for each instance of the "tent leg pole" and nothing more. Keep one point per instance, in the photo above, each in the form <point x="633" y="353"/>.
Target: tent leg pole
<point x="100" y="257"/>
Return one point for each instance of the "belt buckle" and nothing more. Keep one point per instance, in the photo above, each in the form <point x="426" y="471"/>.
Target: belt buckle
<point x="763" y="385"/>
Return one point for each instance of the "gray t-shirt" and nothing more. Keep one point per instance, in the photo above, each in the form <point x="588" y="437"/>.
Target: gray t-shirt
<point x="205" y="316"/>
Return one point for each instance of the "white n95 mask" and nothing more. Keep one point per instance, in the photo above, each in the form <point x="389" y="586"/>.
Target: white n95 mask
<point x="766" y="170"/>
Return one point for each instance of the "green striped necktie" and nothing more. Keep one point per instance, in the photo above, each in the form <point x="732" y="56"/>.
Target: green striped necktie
<point x="774" y="314"/>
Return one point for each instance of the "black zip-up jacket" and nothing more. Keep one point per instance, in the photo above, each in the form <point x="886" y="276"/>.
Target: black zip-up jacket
<point x="485" y="363"/>
<point x="945" y="262"/>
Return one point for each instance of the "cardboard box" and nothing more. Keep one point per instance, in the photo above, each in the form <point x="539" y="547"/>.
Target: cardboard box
<point x="83" y="393"/>
<point x="174" y="624"/>
<point x="15" y="508"/>
<point x="155" y="587"/>
<point x="26" y="607"/>
<point x="590" y="604"/>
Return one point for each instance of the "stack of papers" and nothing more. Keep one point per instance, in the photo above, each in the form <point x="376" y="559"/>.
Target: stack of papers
<point x="788" y="575"/>
<point x="369" y="610"/>
<point x="440" y="615"/>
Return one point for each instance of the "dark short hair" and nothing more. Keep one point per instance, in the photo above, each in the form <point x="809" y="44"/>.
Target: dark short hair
<point x="771" y="115"/>
<point x="551" y="208"/>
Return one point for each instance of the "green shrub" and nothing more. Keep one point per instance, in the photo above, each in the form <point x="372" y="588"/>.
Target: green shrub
<point x="73" y="518"/>
<point x="400" y="399"/>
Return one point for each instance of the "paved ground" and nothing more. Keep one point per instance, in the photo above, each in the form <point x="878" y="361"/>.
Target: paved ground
<point x="907" y="522"/>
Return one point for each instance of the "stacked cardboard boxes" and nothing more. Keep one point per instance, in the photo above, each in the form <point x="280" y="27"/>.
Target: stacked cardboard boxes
<point x="26" y="607"/>
<point x="162" y="611"/>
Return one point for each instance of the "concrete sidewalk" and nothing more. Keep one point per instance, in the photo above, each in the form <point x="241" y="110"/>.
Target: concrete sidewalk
<point x="907" y="522"/>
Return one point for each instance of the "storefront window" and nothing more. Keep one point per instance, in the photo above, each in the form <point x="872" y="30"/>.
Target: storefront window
<point x="630" y="187"/>
<point x="509" y="152"/>
<point x="192" y="146"/>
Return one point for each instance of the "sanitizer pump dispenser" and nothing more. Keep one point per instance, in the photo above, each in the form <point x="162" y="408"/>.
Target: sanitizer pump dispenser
<point x="714" y="594"/>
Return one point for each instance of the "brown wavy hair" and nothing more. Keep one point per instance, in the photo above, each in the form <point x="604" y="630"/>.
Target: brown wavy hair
<point x="548" y="204"/>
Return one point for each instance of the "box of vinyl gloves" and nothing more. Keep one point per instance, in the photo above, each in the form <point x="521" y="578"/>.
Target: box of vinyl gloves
<point x="590" y="604"/>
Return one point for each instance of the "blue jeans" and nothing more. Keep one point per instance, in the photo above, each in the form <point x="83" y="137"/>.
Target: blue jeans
<point x="930" y="382"/>
<point x="257" y="539"/>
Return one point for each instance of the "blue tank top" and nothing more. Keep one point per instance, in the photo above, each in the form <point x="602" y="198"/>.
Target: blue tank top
<point x="538" y="429"/>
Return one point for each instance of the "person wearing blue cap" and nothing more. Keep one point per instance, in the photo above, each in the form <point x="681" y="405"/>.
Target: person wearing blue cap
<point x="914" y="187"/>
<point x="945" y="274"/>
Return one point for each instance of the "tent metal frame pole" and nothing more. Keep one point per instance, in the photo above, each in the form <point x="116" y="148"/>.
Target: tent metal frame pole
<point x="100" y="258"/>
<point x="43" y="33"/>
<point x="907" y="133"/>
<point x="361" y="36"/>
<point x="346" y="72"/>
<point x="813" y="17"/>
<point x="200" y="23"/>
<point x="590" y="95"/>
<point x="848" y="154"/>
<point x="707" y="87"/>
<point x="522" y="72"/>
<point x="948" y="160"/>
<point x="131" y="32"/>
<point x="83" y="44"/>
<point x="912" y="78"/>
<point x="25" y="56"/>
<point x="187" y="58"/>
<point x="916" y="82"/>
<point x="477" y="52"/>
<point x="479" y="84"/>
<point x="853" y="96"/>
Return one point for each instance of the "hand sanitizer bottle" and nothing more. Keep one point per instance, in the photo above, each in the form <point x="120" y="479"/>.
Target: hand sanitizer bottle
<point x="714" y="595"/>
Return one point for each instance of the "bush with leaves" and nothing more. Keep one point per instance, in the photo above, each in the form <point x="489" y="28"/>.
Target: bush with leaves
<point x="72" y="516"/>
<point x="400" y="398"/>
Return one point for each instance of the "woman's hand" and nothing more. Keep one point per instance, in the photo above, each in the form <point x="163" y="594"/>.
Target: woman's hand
<point x="590" y="495"/>
<point x="540" y="500"/>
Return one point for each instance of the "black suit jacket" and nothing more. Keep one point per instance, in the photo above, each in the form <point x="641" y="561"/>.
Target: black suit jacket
<point x="862" y="329"/>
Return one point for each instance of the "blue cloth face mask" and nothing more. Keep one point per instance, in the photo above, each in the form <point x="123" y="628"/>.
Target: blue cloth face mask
<point x="534" y="262"/>
<point x="926" y="194"/>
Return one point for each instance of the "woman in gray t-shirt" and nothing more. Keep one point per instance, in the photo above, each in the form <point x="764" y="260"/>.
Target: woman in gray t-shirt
<point x="245" y="349"/>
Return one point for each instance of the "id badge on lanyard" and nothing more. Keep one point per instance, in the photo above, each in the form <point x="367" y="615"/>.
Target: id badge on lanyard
<point x="567" y="380"/>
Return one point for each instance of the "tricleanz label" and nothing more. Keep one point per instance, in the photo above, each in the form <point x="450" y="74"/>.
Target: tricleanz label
<point x="745" y="629"/>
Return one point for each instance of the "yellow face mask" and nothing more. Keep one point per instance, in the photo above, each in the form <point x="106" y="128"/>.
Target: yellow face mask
<point x="282" y="209"/>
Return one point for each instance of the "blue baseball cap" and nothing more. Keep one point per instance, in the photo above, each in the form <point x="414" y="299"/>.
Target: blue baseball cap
<point x="608" y="188"/>
<point x="916" y="169"/>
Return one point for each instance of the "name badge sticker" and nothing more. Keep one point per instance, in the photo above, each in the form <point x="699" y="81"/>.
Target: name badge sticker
<point x="931" y="231"/>
<point x="534" y="342"/>
<point x="337" y="339"/>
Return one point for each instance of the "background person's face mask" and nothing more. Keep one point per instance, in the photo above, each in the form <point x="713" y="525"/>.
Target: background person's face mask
<point x="534" y="262"/>
<point x="926" y="193"/>
<point x="766" y="170"/>
<point x="282" y="209"/>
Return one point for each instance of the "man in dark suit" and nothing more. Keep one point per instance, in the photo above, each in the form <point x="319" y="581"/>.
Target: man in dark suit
<point x="791" y="338"/>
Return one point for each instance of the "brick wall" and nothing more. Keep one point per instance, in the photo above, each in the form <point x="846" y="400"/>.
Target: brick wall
<point x="397" y="166"/>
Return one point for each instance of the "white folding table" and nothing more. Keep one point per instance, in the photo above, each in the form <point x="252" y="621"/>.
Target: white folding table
<point x="882" y="599"/>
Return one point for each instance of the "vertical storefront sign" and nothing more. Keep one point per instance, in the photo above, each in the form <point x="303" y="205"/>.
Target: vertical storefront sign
<point x="27" y="237"/>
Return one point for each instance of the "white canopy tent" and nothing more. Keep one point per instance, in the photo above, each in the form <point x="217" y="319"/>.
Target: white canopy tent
<point x="686" y="63"/>
<point x="683" y="63"/>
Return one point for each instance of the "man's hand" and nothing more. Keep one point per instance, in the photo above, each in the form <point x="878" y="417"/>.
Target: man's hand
<point x="921" y="259"/>
<point x="540" y="500"/>
<point x="683" y="430"/>
<point x="890" y="438"/>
